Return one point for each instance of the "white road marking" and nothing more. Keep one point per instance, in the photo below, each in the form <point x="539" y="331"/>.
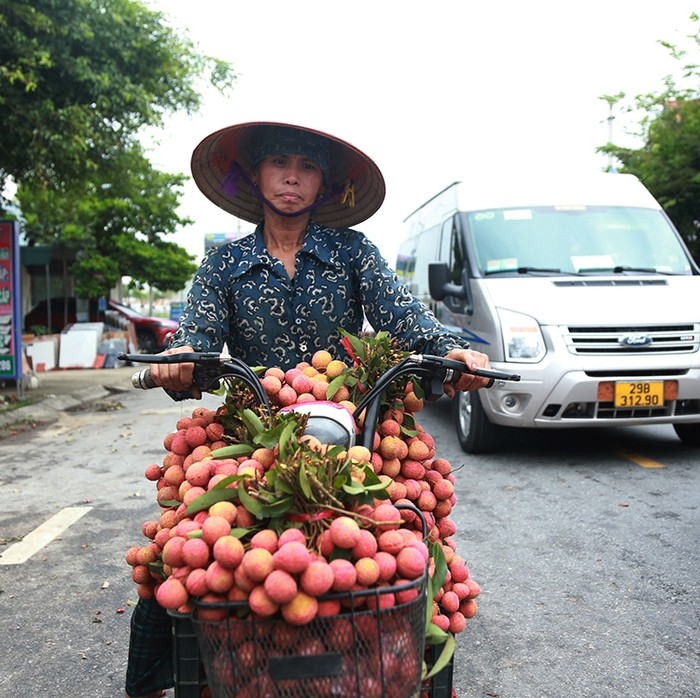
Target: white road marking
<point x="42" y="535"/>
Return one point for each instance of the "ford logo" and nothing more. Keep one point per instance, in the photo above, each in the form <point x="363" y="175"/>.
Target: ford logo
<point x="636" y="340"/>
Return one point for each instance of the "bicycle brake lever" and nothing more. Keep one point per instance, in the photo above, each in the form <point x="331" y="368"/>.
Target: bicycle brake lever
<point x="453" y="369"/>
<point x="195" y="357"/>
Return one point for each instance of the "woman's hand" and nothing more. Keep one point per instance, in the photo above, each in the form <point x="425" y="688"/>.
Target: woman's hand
<point x="468" y="381"/>
<point x="176" y="377"/>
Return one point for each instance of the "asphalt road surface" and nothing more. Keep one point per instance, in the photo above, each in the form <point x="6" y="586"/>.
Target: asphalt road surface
<point x="586" y="545"/>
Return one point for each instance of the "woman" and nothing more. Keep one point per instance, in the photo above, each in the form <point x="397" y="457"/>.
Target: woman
<point x="278" y="295"/>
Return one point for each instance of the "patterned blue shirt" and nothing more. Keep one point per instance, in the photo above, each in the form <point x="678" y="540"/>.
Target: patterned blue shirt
<point x="243" y="298"/>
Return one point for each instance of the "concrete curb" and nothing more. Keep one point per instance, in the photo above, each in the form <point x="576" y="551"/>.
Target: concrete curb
<point x="49" y="410"/>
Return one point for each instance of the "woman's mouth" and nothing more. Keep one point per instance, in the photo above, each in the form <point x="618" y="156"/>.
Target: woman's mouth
<point x="289" y="197"/>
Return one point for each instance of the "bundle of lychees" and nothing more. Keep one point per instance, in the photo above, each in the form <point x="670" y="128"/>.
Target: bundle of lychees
<point x="253" y="509"/>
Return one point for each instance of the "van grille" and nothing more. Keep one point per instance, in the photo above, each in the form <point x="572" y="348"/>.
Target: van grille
<point x="633" y="340"/>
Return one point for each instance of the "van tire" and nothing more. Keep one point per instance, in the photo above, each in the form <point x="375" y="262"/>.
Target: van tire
<point x="689" y="434"/>
<point x="475" y="432"/>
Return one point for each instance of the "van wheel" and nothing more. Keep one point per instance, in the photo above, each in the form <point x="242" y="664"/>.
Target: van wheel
<point x="475" y="432"/>
<point x="689" y="434"/>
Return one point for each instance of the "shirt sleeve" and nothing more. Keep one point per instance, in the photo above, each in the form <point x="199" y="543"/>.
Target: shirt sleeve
<point x="204" y="324"/>
<point x="391" y="307"/>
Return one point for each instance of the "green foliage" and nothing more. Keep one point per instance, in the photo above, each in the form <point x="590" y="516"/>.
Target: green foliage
<point x="113" y="225"/>
<point x="668" y="162"/>
<point x="306" y="486"/>
<point x="372" y="357"/>
<point x="79" y="79"/>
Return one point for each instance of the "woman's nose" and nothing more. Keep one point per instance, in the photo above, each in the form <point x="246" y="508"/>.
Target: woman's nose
<point x="291" y="174"/>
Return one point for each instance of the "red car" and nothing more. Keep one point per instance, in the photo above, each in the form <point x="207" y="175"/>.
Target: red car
<point x="152" y="333"/>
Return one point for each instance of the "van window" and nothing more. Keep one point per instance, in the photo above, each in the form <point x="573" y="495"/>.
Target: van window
<point x="575" y="239"/>
<point x="413" y="258"/>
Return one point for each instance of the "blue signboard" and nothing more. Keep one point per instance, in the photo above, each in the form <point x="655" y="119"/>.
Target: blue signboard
<point x="176" y="310"/>
<point x="10" y="318"/>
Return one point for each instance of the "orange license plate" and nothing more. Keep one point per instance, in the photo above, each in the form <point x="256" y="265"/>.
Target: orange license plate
<point x="639" y="394"/>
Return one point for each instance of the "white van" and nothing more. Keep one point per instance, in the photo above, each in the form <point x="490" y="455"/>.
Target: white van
<point x="583" y="287"/>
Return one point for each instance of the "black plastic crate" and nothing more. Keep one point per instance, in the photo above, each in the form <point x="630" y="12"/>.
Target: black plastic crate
<point x="190" y="678"/>
<point x="440" y="685"/>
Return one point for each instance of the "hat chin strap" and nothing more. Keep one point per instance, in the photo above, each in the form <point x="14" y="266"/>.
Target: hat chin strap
<point x="229" y="186"/>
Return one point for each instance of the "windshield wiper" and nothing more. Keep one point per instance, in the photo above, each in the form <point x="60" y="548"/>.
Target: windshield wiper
<point x="527" y="270"/>
<point x="621" y="269"/>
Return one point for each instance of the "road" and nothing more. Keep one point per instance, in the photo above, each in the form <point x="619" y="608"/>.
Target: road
<point x="585" y="545"/>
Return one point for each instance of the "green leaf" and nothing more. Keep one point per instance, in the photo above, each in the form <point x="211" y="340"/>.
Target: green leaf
<point x="283" y="487"/>
<point x="252" y="422"/>
<point x="269" y="439"/>
<point x="240" y="532"/>
<point x="371" y="478"/>
<point x="358" y="346"/>
<point x="353" y="488"/>
<point x="408" y="426"/>
<point x="440" y="573"/>
<point x="335" y="385"/>
<point x="214" y="495"/>
<point x="435" y="635"/>
<point x="285" y="437"/>
<point x="447" y="653"/>
<point x="232" y="451"/>
<point x="156" y="566"/>
<point x="252" y="505"/>
<point x="339" y="481"/>
<point x="350" y="380"/>
<point x="304" y="482"/>
<point x="375" y="487"/>
<point x="277" y="508"/>
<point x="333" y="452"/>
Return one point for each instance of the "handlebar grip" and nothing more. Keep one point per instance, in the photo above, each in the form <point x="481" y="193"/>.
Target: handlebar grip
<point x="142" y="379"/>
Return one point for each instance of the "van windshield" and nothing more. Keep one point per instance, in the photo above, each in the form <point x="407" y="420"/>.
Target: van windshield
<point x="575" y="240"/>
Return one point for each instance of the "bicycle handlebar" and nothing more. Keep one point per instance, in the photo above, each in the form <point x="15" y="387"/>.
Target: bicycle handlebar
<point x="210" y="368"/>
<point x="217" y="366"/>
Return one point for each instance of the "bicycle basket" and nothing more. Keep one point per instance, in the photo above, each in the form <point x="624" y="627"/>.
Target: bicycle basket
<point x="373" y="648"/>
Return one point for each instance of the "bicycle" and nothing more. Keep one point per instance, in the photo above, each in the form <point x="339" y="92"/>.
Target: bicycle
<point x="376" y="646"/>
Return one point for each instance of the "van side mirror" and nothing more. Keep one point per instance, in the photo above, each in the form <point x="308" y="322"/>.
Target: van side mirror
<point x="440" y="284"/>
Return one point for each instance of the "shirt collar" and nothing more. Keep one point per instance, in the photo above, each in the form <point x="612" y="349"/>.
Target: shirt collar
<point x="315" y="244"/>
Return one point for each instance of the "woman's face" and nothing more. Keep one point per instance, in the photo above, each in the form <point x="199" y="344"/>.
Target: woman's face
<point x="289" y="182"/>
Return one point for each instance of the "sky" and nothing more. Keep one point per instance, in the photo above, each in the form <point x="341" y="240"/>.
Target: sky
<point x="432" y="91"/>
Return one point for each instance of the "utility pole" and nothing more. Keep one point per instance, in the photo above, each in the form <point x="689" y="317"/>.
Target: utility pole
<point x="611" y="118"/>
<point x="612" y="100"/>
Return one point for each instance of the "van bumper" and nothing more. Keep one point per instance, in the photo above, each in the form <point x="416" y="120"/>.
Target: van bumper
<point x="573" y="400"/>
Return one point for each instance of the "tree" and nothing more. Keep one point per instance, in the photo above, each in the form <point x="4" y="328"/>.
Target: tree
<point x="112" y="226"/>
<point x="79" y="80"/>
<point x="668" y="162"/>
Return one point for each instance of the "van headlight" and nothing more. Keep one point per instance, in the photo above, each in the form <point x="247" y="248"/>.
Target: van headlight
<point x="522" y="339"/>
